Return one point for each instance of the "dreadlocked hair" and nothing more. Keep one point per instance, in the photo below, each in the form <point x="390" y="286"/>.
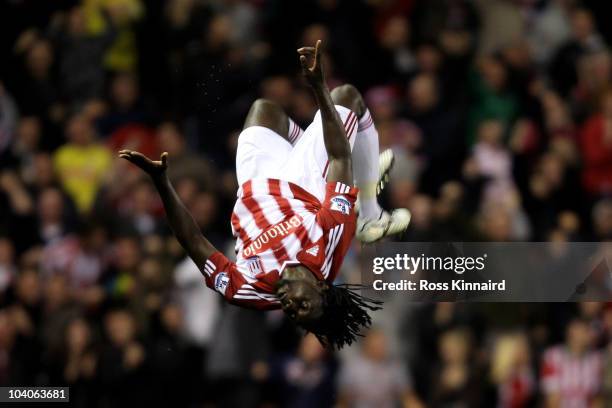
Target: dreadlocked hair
<point x="345" y="314"/>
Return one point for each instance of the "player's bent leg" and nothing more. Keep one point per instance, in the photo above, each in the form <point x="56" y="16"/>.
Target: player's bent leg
<point x="268" y="114"/>
<point x="370" y="171"/>
<point x="349" y="97"/>
<point x="365" y="152"/>
<point x="262" y="144"/>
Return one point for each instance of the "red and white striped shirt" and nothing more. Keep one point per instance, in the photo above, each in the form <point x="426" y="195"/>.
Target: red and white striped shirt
<point x="575" y="379"/>
<point x="277" y="223"/>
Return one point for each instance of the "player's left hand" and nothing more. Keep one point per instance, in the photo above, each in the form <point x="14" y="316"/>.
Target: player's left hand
<point x="153" y="168"/>
<point x="313" y="73"/>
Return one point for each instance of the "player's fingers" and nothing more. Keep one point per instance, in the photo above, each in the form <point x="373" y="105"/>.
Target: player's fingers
<point x="138" y="155"/>
<point x="164" y="159"/>
<point x="126" y="154"/>
<point x="140" y="158"/>
<point x="318" y="51"/>
<point x="306" y="51"/>
<point x="128" y="158"/>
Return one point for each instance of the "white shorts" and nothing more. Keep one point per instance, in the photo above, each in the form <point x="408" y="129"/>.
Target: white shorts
<point x="263" y="153"/>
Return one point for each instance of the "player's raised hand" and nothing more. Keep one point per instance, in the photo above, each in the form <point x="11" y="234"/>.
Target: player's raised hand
<point x="310" y="59"/>
<point x="152" y="167"/>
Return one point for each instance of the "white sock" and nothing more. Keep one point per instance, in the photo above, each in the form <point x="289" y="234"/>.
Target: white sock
<point x="365" y="167"/>
<point x="295" y="132"/>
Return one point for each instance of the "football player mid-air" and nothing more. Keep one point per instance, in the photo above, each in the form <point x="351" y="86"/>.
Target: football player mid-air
<point x="295" y="216"/>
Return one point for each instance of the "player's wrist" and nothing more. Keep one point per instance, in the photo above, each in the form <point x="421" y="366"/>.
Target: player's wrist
<point x="318" y="85"/>
<point x="159" y="177"/>
<point x="322" y="96"/>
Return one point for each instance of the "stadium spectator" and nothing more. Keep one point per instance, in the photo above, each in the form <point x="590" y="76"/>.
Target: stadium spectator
<point x="440" y="126"/>
<point x="52" y="216"/>
<point x="200" y="314"/>
<point x="512" y="371"/>
<point x="602" y="219"/>
<point x="572" y="373"/>
<point x="185" y="164"/>
<point x="38" y="92"/>
<point x="169" y="359"/>
<point x="123" y="362"/>
<point x="455" y="378"/>
<point x="125" y="108"/>
<point x="82" y="164"/>
<point x="375" y="378"/>
<point x="584" y="39"/>
<point x="306" y="378"/>
<point x="493" y="97"/>
<point x="397" y="59"/>
<point x="28" y="142"/>
<point x="122" y="54"/>
<point x="596" y="144"/>
<point x="81" y="69"/>
<point x="76" y="362"/>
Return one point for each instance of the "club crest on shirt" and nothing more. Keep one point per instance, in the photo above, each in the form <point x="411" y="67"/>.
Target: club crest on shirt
<point x="221" y="282"/>
<point x="341" y="204"/>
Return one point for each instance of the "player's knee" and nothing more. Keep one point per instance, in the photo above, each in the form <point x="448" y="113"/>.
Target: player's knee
<point x="348" y="96"/>
<point x="265" y="107"/>
<point x="267" y="113"/>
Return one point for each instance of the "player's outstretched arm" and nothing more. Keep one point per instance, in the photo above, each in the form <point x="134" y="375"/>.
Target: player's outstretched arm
<point x="182" y="223"/>
<point x="334" y="135"/>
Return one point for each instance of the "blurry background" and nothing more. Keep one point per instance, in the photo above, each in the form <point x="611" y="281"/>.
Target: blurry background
<point x="500" y="115"/>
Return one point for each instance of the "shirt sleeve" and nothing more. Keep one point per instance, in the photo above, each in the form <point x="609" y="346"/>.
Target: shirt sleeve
<point x="338" y="207"/>
<point x="220" y="274"/>
<point x="223" y="276"/>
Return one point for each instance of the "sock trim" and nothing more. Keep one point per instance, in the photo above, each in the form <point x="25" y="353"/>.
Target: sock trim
<point x="294" y="132"/>
<point x="365" y="121"/>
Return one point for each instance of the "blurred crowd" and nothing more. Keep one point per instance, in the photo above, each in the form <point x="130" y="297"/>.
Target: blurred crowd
<point x="500" y="116"/>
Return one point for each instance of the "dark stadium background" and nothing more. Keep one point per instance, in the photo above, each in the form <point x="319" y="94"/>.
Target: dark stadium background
<point x="500" y="116"/>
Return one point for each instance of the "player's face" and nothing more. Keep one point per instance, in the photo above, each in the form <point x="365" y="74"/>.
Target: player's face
<point x="301" y="300"/>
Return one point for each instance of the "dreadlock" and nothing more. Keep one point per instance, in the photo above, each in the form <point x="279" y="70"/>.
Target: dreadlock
<point x="345" y="313"/>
